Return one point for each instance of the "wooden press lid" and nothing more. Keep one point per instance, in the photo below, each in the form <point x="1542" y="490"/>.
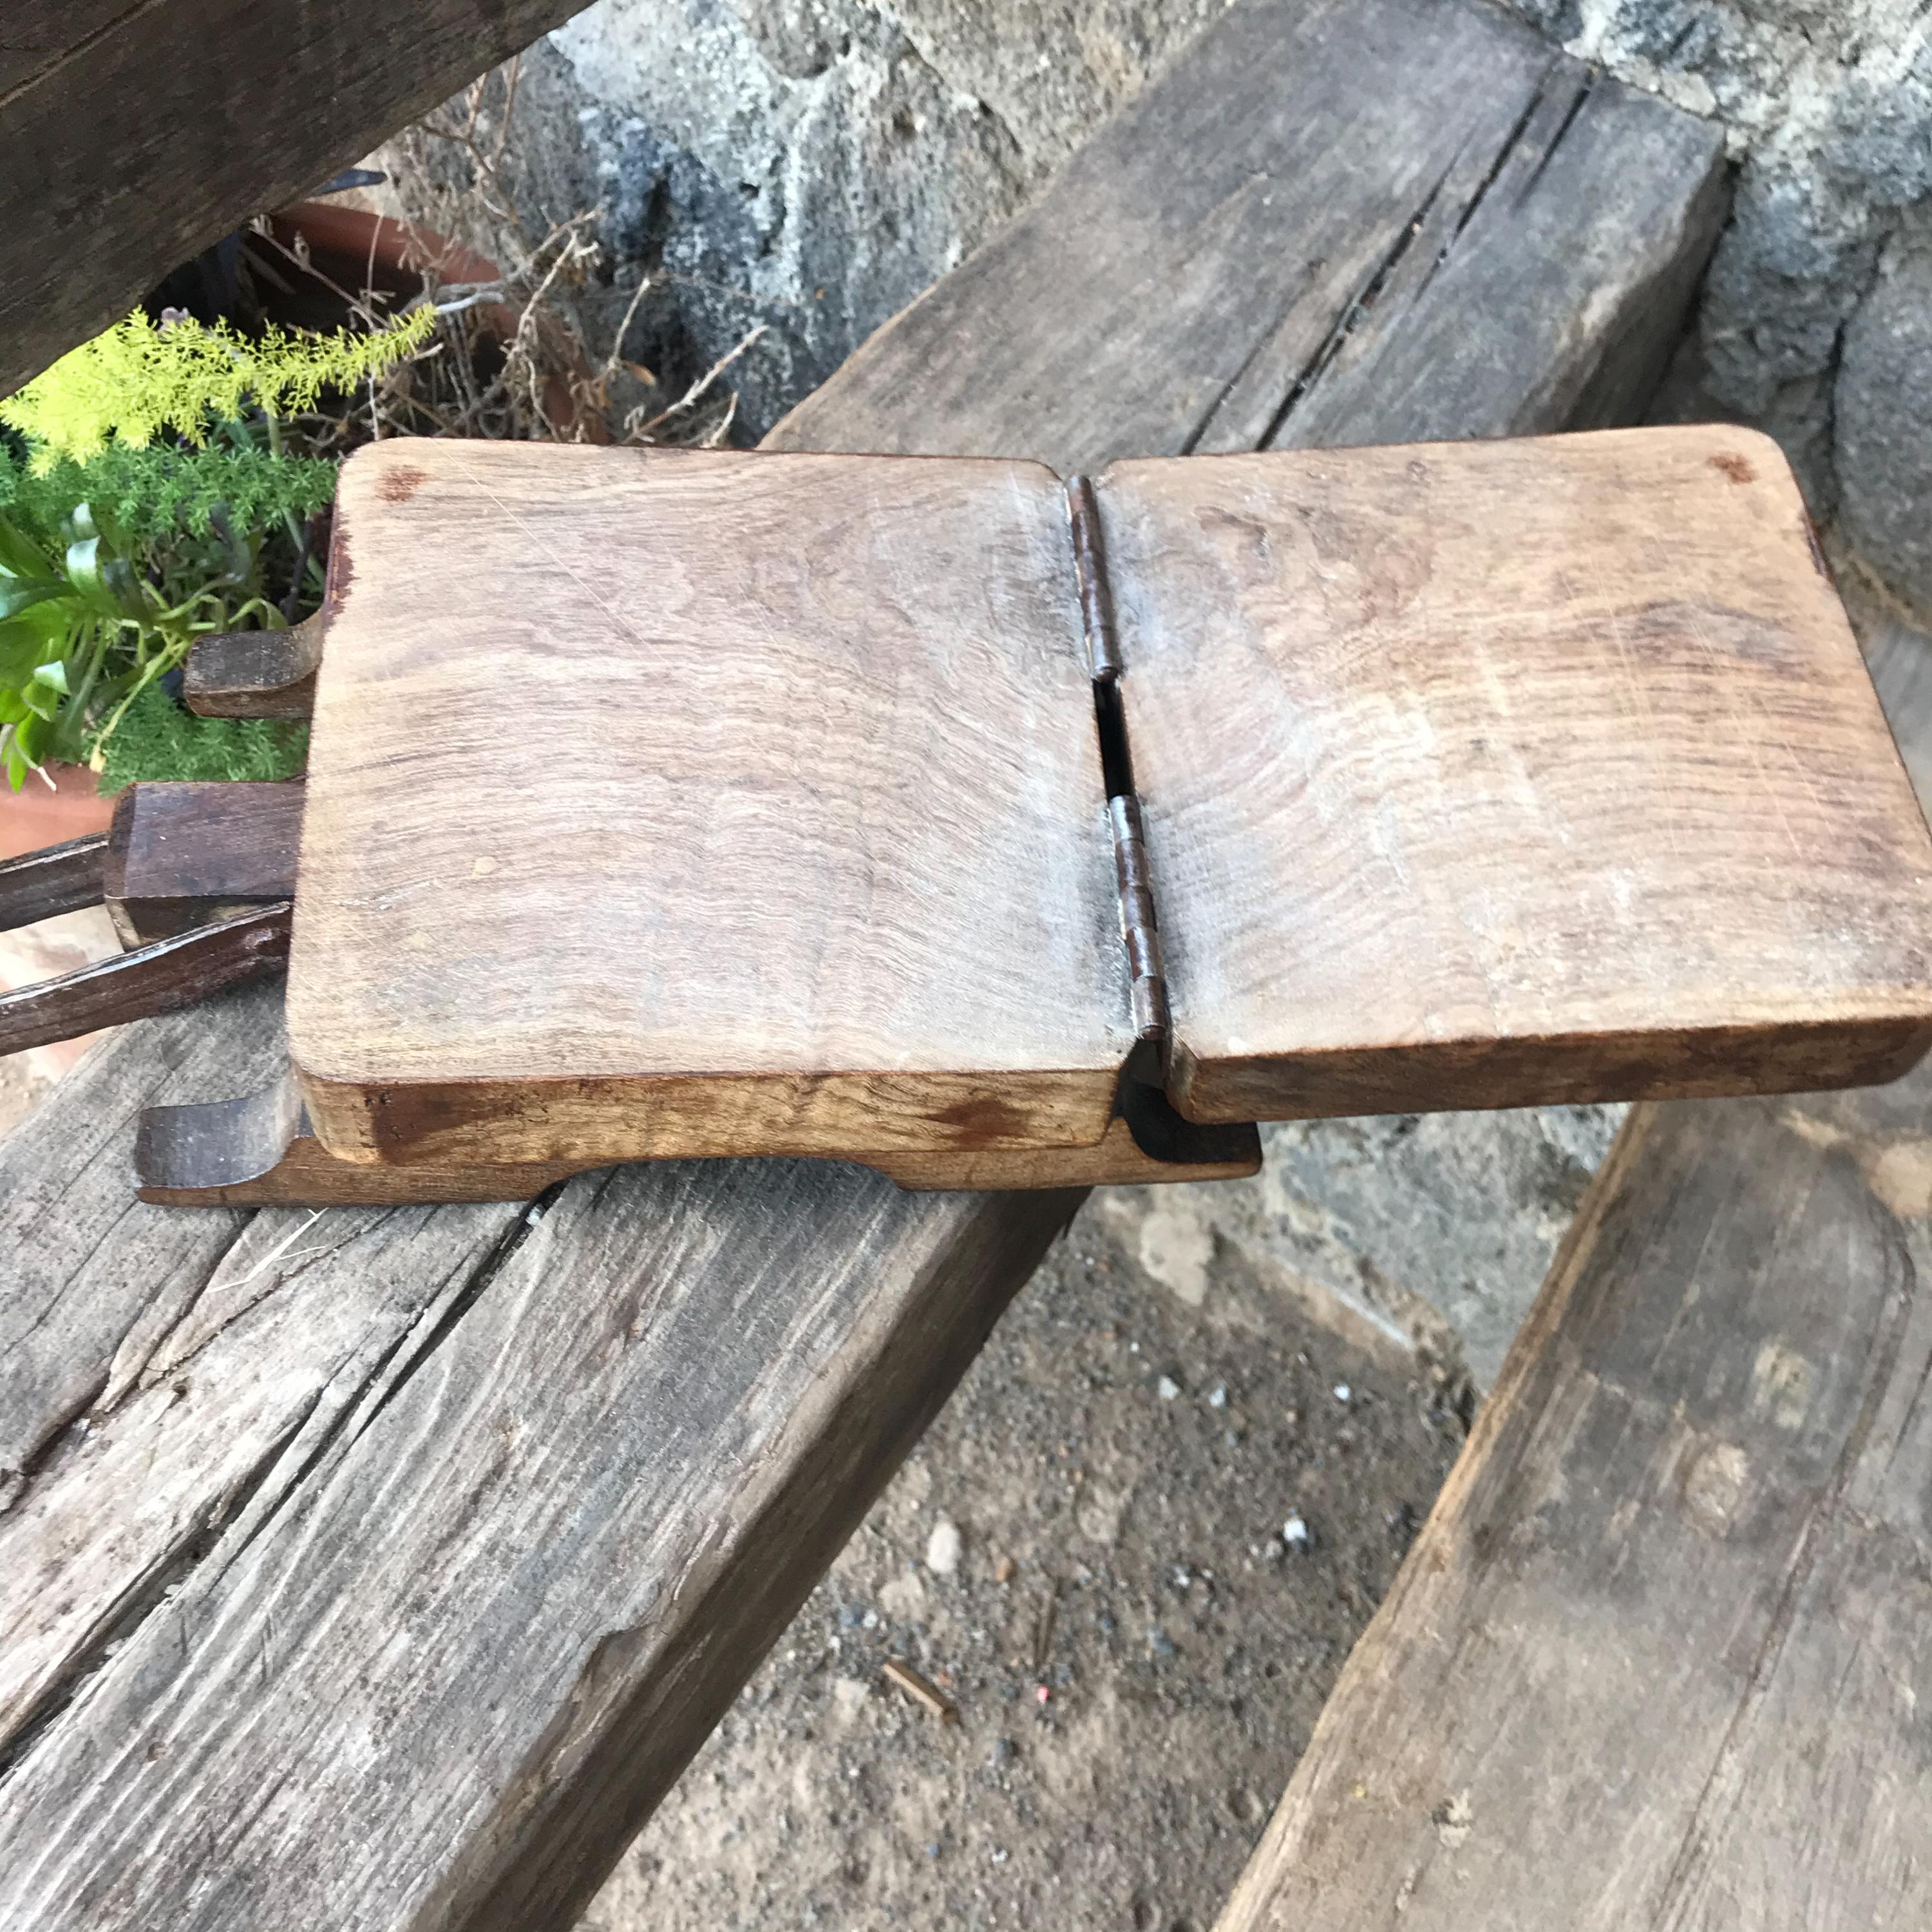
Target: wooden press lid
<point x="771" y="782"/>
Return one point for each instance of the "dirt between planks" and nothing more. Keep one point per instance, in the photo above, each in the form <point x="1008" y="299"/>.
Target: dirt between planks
<point x="1133" y="1694"/>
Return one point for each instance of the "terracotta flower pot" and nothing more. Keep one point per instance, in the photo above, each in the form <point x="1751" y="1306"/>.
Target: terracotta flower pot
<point x="355" y="250"/>
<point x="36" y="815"/>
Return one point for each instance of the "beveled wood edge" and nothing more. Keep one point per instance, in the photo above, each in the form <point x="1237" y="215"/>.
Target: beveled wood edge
<point x="259" y="1151"/>
<point x="597" y="1119"/>
<point x="1717" y="1062"/>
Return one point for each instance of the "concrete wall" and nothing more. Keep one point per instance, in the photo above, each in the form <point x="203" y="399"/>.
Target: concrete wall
<point x="811" y="165"/>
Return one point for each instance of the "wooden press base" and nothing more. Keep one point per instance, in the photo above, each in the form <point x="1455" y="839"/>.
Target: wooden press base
<point x="258" y="1151"/>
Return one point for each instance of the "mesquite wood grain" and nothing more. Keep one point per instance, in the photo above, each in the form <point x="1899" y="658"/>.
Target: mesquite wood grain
<point x="1474" y="775"/>
<point x="1482" y="775"/>
<point x="393" y="1801"/>
<point x="829" y="871"/>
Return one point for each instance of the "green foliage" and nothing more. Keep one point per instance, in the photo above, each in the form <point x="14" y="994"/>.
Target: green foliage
<point x="141" y="379"/>
<point x="151" y="494"/>
<point x="158" y="740"/>
<point x="90" y="616"/>
<point x="150" y="502"/>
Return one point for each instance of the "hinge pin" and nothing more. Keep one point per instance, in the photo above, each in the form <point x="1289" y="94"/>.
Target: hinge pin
<point x="1139" y="927"/>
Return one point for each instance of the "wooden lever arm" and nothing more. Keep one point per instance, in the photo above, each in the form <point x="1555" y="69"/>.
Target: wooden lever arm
<point x="57" y="879"/>
<point x="186" y="855"/>
<point x="162" y="978"/>
<point x="255" y="673"/>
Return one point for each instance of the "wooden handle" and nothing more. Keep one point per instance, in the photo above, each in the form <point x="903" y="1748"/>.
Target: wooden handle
<point x="162" y="978"/>
<point x="56" y="879"/>
<point x="255" y="673"/>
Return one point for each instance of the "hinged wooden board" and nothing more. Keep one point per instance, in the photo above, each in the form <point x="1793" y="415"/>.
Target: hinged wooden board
<point x="675" y="803"/>
<point x="669" y="803"/>
<point x="1485" y="774"/>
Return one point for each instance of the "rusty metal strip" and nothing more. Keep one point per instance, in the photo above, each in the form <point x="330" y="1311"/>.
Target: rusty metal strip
<point x="1090" y="565"/>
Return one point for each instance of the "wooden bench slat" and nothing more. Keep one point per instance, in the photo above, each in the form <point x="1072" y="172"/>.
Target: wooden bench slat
<point x="1663" y="1653"/>
<point x="1238" y="263"/>
<point x="136" y="136"/>
<point x="436" y="1662"/>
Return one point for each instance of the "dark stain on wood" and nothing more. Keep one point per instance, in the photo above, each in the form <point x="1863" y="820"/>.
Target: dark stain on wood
<point x="1737" y="468"/>
<point x="57" y="879"/>
<point x="986" y="1121"/>
<point x="184" y="855"/>
<point x="400" y="483"/>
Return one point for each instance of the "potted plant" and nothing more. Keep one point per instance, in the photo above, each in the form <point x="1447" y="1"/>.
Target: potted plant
<point x="146" y="499"/>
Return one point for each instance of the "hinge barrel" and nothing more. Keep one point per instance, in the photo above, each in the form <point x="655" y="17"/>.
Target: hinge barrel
<point x="1139" y="927"/>
<point x="1090" y="566"/>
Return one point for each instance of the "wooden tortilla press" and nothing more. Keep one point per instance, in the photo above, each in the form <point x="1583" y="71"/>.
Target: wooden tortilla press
<point x="996" y="831"/>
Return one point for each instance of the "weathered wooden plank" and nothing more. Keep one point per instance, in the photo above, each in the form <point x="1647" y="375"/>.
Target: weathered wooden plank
<point x="82" y="1264"/>
<point x="1442" y="227"/>
<point x="554" y="1530"/>
<point x="1671" y="1619"/>
<point x="136" y="135"/>
<point x="511" y="1489"/>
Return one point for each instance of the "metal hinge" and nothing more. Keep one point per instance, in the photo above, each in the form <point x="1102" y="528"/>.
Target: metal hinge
<point x="1140" y="926"/>
<point x="1090" y="566"/>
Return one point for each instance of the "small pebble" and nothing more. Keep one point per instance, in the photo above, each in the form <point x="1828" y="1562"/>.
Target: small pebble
<point x="1219" y="1399"/>
<point x="1005" y="1570"/>
<point x="1167" y="1388"/>
<point x="1295" y="1532"/>
<point x="942" y="1548"/>
<point x="1003" y="1751"/>
<point x="1342" y="1392"/>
